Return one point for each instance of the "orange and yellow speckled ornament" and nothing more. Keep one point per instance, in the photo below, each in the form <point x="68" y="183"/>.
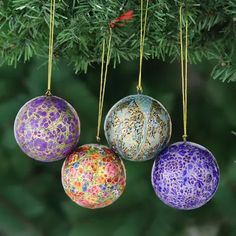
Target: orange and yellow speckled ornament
<point x="93" y="176"/>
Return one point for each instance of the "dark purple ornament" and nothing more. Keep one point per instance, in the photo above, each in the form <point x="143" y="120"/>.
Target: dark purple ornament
<point x="185" y="175"/>
<point x="47" y="128"/>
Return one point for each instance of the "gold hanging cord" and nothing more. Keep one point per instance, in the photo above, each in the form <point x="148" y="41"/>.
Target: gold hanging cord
<point x="184" y="69"/>
<point x="50" y="46"/>
<point x="143" y="26"/>
<point x="103" y="79"/>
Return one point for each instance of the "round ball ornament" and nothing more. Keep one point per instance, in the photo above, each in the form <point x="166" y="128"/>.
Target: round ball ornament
<point x="185" y="176"/>
<point x="137" y="127"/>
<point x="93" y="176"/>
<point x="47" y="128"/>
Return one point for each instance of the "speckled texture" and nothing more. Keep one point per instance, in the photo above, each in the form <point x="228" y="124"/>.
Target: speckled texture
<point x="47" y="128"/>
<point x="185" y="176"/>
<point x="137" y="127"/>
<point x="93" y="176"/>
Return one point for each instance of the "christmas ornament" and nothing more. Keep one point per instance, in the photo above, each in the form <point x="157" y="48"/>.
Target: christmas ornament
<point x="47" y="128"/>
<point x="185" y="175"/>
<point x="93" y="176"/>
<point x="137" y="127"/>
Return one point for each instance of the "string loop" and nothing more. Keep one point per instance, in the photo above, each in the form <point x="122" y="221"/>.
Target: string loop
<point x="50" y="45"/>
<point x="48" y="93"/>
<point x="105" y="63"/>
<point x="103" y="79"/>
<point x="143" y="26"/>
<point x="184" y="69"/>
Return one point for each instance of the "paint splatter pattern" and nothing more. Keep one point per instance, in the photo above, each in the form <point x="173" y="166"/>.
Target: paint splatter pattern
<point x="185" y="176"/>
<point x="93" y="176"/>
<point x="137" y="127"/>
<point x="47" y="128"/>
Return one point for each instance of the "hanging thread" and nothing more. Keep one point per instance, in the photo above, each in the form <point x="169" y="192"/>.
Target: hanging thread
<point x="50" y="45"/>
<point x="143" y="26"/>
<point x="103" y="79"/>
<point x="184" y="70"/>
<point x="104" y="69"/>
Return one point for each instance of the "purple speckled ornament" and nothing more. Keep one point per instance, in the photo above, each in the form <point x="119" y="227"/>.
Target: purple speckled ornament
<point x="47" y="128"/>
<point x="185" y="175"/>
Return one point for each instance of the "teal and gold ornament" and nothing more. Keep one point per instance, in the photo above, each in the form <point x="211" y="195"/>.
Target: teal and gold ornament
<point x="138" y="127"/>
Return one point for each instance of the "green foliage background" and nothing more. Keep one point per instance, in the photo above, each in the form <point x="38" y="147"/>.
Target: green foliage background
<point x="32" y="200"/>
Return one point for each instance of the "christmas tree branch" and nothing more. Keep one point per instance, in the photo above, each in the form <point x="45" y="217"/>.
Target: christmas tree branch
<point x="81" y="25"/>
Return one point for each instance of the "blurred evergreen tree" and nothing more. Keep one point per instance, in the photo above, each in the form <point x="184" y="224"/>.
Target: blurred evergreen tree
<point x="32" y="201"/>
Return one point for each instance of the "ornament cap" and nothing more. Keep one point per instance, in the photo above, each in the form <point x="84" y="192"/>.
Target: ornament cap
<point x="139" y="89"/>
<point x="98" y="139"/>
<point x="185" y="136"/>
<point x="48" y="93"/>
